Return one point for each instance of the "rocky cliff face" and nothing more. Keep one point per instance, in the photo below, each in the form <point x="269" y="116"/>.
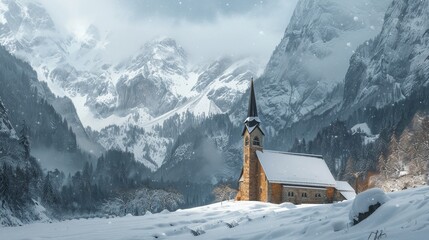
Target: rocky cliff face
<point x="395" y="63"/>
<point x="382" y="70"/>
<point x="313" y="55"/>
<point x="153" y="78"/>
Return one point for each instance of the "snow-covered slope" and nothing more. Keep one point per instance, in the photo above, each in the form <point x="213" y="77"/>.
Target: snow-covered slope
<point x="314" y="54"/>
<point x="226" y="79"/>
<point x="403" y="216"/>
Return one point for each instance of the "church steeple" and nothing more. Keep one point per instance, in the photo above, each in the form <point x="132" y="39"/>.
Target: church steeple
<point x="252" y="121"/>
<point x="253" y="141"/>
<point x="252" y="110"/>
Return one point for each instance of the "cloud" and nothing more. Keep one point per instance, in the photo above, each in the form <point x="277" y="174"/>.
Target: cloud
<point x="193" y="10"/>
<point x="206" y="29"/>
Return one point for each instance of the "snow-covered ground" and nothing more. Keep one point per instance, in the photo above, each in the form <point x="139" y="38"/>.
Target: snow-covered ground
<point x="404" y="216"/>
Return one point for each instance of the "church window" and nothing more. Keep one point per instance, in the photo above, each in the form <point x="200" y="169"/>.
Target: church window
<point x="290" y="194"/>
<point x="246" y="141"/>
<point x="304" y="194"/>
<point x="256" y="141"/>
<point x="317" y="195"/>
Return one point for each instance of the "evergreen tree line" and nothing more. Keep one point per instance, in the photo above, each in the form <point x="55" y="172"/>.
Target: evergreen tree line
<point x="199" y="154"/>
<point x="115" y="173"/>
<point x="20" y="177"/>
<point x="346" y="153"/>
<point x="20" y="93"/>
<point x="206" y="144"/>
<point x="18" y="185"/>
<point x="119" y="185"/>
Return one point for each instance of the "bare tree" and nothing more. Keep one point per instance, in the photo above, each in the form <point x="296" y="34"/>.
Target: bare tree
<point x="223" y="192"/>
<point x="393" y="164"/>
<point x="419" y="149"/>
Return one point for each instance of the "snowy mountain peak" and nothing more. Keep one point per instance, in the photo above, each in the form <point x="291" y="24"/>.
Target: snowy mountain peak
<point x="167" y="45"/>
<point x="161" y="59"/>
<point x="89" y="38"/>
<point x="143" y="90"/>
<point x="18" y="22"/>
<point x="26" y="14"/>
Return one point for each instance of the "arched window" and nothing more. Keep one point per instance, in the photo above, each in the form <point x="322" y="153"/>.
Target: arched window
<point x="256" y="141"/>
<point x="304" y="194"/>
<point x="246" y="141"/>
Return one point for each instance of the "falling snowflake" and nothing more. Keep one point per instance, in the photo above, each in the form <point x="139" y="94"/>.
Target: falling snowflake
<point x="355" y="19"/>
<point x="349" y="44"/>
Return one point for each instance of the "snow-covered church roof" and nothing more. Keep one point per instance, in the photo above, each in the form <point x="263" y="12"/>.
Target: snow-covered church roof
<point x="295" y="168"/>
<point x="344" y="186"/>
<point x="345" y="189"/>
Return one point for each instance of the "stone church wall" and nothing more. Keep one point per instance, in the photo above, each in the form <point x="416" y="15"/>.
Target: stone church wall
<point x="276" y="193"/>
<point x="262" y="183"/>
<point x="338" y="196"/>
<point x="304" y="195"/>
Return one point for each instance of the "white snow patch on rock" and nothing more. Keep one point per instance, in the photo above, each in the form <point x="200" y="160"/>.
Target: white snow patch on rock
<point x="364" y="128"/>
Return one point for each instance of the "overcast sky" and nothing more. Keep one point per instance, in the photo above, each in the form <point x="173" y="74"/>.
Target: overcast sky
<point x="206" y="29"/>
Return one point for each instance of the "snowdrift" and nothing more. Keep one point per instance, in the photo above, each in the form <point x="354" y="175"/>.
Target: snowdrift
<point x="404" y="216"/>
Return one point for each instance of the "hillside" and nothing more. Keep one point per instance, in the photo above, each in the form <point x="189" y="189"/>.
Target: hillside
<point x="404" y="216"/>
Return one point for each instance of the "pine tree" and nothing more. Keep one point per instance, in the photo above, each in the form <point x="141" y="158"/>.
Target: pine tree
<point x="4" y="184"/>
<point x="24" y="139"/>
<point x="3" y="110"/>
<point x="48" y="194"/>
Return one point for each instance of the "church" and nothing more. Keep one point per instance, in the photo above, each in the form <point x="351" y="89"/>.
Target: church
<point x="276" y="177"/>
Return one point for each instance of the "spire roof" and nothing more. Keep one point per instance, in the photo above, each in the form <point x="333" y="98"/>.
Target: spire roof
<point x="252" y="121"/>
<point x="252" y="110"/>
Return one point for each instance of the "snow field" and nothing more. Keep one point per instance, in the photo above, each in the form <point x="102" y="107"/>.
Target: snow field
<point x="404" y="216"/>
